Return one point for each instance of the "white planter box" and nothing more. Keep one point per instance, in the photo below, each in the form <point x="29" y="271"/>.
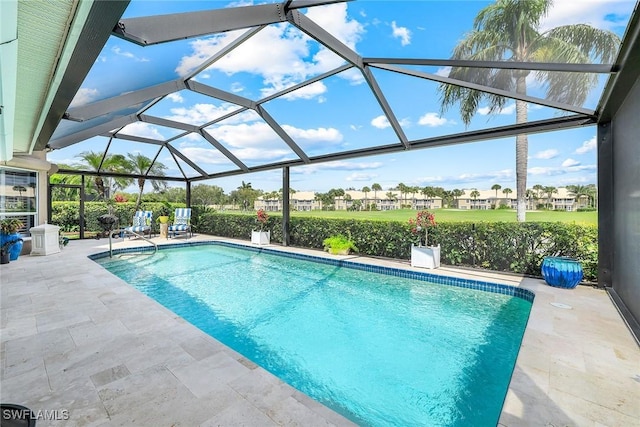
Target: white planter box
<point x="261" y="237"/>
<point x="425" y="256"/>
<point x="44" y="239"/>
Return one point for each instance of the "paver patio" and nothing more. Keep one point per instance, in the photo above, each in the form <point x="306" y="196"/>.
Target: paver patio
<point x="75" y="338"/>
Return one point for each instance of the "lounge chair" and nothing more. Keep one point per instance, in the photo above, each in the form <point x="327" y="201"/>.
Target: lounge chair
<point x="141" y="223"/>
<point x="181" y="222"/>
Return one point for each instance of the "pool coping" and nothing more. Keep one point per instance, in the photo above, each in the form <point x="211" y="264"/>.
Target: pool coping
<point x="479" y="285"/>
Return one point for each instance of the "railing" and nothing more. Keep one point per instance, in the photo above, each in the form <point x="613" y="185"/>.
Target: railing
<point x="155" y="247"/>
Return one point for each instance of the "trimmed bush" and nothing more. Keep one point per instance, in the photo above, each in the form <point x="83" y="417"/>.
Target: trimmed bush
<point x="499" y="246"/>
<point x="66" y="215"/>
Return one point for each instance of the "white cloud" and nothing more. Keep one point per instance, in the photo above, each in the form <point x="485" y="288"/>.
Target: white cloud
<point x="546" y="154"/>
<point x="337" y="166"/>
<point x="176" y="97"/>
<point x="330" y="135"/>
<point x="509" y="109"/>
<point x="597" y="13"/>
<point x="357" y="176"/>
<point x="236" y="87"/>
<point x="380" y="122"/>
<point x="200" y="114"/>
<point x="143" y="130"/>
<point x="307" y="92"/>
<point x="401" y="33"/>
<point x="434" y="120"/>
<point x="554" y="170"/>
<point x="288" y="60"/>
<point x="587" y="146"/>
<point x="570" y="162"/>
<point x="492" y="175"/>
<point x="84" y="96"/>
<point x="120" y="52"/>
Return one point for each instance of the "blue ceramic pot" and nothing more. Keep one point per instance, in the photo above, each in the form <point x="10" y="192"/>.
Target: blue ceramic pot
<point x="16" y="248"/>
<point x="562" y="272"/>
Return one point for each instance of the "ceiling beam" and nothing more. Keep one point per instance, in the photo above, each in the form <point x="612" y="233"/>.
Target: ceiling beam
<point x="506" y="65"/>
<point x="84" y="134"/>
<point x="386" y="108"/>
<point x="116" y="103"/>
<point x="567" y="122"/>
<point x="150" y="30"/>
<point x="315" y="31"/>
<point x="94" y="35"/>
<point x="487" y="89"/>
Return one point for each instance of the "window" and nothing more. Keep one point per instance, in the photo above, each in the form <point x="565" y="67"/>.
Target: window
<point x="19" y="196"/>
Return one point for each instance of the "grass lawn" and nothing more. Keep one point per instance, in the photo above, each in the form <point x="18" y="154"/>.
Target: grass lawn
<point x="455" y="215"/>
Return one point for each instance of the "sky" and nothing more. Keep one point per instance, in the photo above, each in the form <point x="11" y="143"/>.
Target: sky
<point x="339" y="113"/>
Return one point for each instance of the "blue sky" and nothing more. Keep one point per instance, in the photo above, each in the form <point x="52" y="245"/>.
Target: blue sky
<point x="339" y="113"/>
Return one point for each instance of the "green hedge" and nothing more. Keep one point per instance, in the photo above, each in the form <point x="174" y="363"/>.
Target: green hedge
<point x="499" y="246"/>
<point x="67" y="214"/>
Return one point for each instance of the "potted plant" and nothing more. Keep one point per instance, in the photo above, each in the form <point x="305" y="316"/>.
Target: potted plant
<point x="424" y="256"/>
<point x="5" y="255"/>
<point x="260" y="236"/>
<point x="339" y="245"/>
<point x="164" y="212"/>
<point x="163" y="219"/>
<point x="9" y="233"/>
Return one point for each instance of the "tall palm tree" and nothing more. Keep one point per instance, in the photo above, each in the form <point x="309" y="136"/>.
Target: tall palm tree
<point x="578" y="192"/>
<point x="474" y="195"/>
<point x="142" y="165"/>
<point x="509" y="30"/>
<point x="366" y="191"/>
<point x="376" y="187"/>
<point x="550" y="191"/>
<point x="592" y="193"/>
<point x="110" y="163"/>
<point x="402" y="188"/>
<point x="496" y="187"/>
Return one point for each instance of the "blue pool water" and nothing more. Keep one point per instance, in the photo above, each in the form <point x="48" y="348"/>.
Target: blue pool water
<point x="379" y="349"/>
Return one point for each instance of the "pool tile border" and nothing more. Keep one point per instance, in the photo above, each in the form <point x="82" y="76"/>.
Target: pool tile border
<point x="479" y="285"/>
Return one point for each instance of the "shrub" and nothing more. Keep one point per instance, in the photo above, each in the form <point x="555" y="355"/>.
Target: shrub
<point x="66" y="215"/>
<point x="339" y="244"/>
<point x="500" y="246"/>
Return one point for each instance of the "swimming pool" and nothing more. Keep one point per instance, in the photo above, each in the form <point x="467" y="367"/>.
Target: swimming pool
<point x="377" y="348"/>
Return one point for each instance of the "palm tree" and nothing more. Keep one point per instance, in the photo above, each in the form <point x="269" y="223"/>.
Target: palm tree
<point x="376" y="187"/>
<point x="496" y="187"/>
<point x="550" y="191"/>
<point x="592" y="193"/>
<point x="403" y="189"/>
<point x="509" y="30"/>
<point x="110" y="163"/>
<point x="578" y="192"/>
<point x="456" y="192"/>
<point x="507" y="191"/>
<point x="474" y="195"/>
<point x="366" y="191"/>
<point x="142" y="165"/>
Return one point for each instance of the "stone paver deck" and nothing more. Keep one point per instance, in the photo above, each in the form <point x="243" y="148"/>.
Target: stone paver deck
<point x="80" y="343"/>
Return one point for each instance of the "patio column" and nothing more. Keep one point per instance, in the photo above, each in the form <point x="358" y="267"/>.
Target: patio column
<point x="285" y="206"/>
<point x="188" y="191"/>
